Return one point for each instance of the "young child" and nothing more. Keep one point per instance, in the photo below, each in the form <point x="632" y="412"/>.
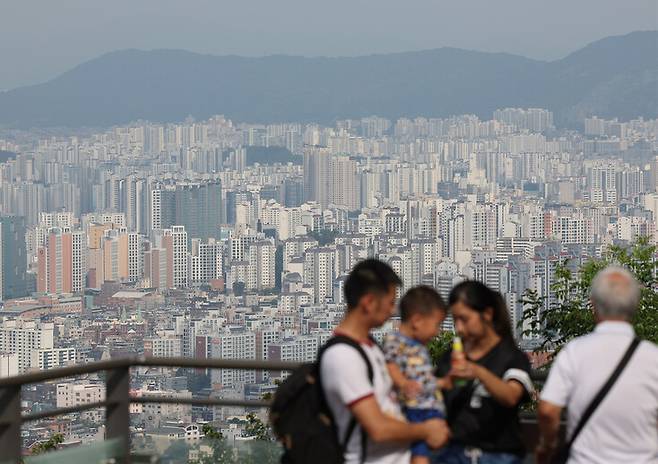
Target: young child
<point x="422" y="311"/>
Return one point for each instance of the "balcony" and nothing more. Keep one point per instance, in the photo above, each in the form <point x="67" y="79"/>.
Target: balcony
<point x="117" y="442"/>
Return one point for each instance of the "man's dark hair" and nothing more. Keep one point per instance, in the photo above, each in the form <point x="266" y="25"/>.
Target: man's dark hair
<point x="420" y="300"/>
<point x="369" y="276"/>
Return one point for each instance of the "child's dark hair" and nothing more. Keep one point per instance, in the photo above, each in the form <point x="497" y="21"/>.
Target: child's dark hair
<point x="479" y="297"/>
<point x="420" y="300"/>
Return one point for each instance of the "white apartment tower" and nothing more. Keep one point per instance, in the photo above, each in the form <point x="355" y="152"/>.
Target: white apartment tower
<point x="206" y="261"/>
<point x="261" y="259"/>
<point x="233" y="344"/>
<point x="179" y="250"/>
<point x="319" y="269"/>
<point x="24" y="337"/>
<point x="345" y="183"/>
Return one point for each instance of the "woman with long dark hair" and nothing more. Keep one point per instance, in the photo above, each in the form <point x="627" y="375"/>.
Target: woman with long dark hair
<point x="485" y="390"/>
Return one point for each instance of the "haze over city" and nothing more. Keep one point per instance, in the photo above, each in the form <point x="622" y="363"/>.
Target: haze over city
<point x="190" y="190"/>
<point x="41" y="39"/>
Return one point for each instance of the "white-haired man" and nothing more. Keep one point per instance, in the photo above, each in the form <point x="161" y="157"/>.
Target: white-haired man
<point x="624" y="426"/>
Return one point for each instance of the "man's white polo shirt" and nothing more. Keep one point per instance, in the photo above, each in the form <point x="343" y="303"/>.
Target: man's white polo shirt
<point x="344" y="376"/>
<point x="624" y="428"/>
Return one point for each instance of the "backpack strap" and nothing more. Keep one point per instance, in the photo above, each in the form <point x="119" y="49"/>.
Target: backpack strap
<point x="345" y="340"/>
<point x="342" y="339"/>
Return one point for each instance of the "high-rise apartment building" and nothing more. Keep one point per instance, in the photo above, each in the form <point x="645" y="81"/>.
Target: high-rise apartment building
<point x="174" y="242"/>
<point x="8" y="364"/>
<point x="261" y="259"/>
<point x="74" y="394"/>
<point x="164" y="347"/>
<point x="61" y="262"/>
<point x="532" y="119"/>
<point x="156" y="267"/>
<point x="293" y="192"/>
<point x="118" y="258"/>
<point x="14" y="281"/>
<point x="594" y="126"/>
<point x="24" y="337"/>
<point x="134" y="204"/>
<point x="233" y="343"/>
<point x="319" y="264"/>
<point x="603" y="183"/>
<point x="238" y="244"/>
<point x="194" y="205"/>
<point x="331" y="179"/>
<point x="206" y="261"/>
<point x="345" y="184"/>
<point x="166" y="259"/>
<point x="52" y="358"/>
<point x="317" y="175"/>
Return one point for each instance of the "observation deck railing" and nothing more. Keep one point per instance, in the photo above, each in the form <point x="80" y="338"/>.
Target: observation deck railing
<point x="118" y="399"/>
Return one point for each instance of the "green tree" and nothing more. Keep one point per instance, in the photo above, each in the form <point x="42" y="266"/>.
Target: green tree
<point x="257" y="428"/>
<point x="48" y="445"/>
<point x="439" y="345"/>
<point x="211" y="432"/>
<point x="568" y="314"/>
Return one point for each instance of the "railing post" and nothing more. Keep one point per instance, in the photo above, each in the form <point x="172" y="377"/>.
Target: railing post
<point x="10" y="424"/>
<point x="117" y="412"/>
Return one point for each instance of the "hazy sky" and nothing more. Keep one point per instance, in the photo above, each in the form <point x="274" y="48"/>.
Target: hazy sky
<point x="40" y="39"/>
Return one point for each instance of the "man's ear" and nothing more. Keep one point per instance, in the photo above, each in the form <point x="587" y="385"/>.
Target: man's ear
<point x="415" y="319"/>
<point x="368" y="302"/>
<point x="594" y="312"/>
<point x="488" y="314"/>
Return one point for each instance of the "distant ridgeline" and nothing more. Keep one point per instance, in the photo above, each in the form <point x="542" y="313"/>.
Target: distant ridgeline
<point x="613" y="77"/>
<point x="271" y="155"/>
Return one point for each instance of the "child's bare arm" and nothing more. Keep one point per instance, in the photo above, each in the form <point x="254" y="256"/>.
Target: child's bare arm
<point x="403" y="384"/>
<point x="399" y="380"/>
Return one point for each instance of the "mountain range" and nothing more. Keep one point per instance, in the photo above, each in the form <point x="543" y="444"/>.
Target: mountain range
<point x="613" y="77"/>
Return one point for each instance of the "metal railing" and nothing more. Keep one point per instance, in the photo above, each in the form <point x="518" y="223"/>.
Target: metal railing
<point x="118" y="398"/>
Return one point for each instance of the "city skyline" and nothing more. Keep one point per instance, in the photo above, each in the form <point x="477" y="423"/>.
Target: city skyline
<point x="214" y="239"/>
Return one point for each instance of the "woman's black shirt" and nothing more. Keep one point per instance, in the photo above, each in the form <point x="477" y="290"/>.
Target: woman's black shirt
<point x="478" y="420"/>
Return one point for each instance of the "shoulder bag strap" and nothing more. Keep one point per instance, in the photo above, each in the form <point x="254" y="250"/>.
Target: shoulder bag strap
<point x="600" y="396"/>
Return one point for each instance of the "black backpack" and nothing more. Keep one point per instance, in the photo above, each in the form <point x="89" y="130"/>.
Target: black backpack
<point x="301" y="418"/>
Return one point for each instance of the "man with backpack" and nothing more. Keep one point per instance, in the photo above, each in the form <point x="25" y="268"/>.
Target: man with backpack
<point x="342" y="408"/>
<point x="358" y="390"/>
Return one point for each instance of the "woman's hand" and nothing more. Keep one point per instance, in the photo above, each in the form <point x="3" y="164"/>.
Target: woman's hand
<point x="444" y="383"/>
<point x="466" y="370"/>
<point x="507" y="392"/>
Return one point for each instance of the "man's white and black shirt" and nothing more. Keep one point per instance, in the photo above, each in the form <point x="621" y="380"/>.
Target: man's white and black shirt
<point x="345" y="381"/>
<point x="624" y="428"/>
